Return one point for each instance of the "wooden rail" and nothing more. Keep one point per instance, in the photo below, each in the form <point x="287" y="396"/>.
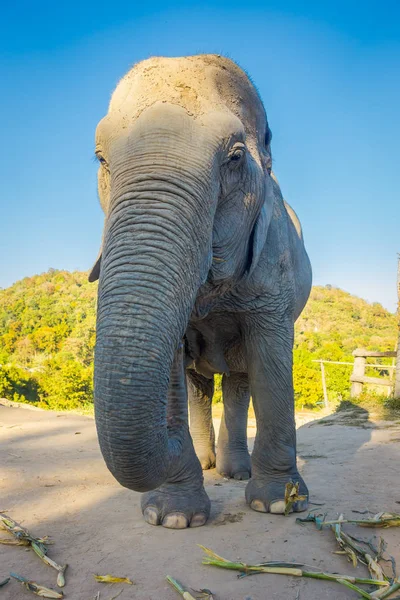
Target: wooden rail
<point x="362" y="353"/>
<point x="358" y="377"/>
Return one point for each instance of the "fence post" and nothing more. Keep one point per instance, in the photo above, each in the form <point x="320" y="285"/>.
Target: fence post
<point x="358" y="371"/>
<point x="326" y="401"/>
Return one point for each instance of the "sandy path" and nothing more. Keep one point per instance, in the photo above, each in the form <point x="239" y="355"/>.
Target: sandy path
<point x="54" y="481"/>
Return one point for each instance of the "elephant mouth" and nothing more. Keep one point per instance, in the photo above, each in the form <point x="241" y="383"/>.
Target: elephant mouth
<point x="209" y="296"/>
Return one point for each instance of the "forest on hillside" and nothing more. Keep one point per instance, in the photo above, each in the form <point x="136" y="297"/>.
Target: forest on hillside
<point x="47" y="337"/>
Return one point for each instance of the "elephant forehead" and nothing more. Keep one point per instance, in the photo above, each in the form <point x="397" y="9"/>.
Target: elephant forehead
<point x="199" y="84"/>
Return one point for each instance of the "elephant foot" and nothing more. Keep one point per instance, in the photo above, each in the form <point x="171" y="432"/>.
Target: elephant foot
<point x="268" y="494"/>
<point x="235" y="465"/>
<point x="176" y="506"/>
<point x="206" y="458"/>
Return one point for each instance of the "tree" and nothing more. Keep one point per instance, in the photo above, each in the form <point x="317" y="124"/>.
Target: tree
<point x="48" y="331"/>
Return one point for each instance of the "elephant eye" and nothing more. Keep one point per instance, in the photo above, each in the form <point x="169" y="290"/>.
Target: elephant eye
<point x="236" y="155"/>
<point x="101" y="159"/>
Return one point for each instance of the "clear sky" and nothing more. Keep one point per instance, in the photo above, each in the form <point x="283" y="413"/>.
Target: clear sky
<point x="329" y="75"/>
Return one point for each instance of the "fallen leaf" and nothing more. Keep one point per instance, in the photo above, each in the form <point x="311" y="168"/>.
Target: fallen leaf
<point x="112" y="579"/>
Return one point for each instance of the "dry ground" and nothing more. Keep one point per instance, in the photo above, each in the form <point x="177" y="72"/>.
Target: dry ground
<point x="54" y="481"/>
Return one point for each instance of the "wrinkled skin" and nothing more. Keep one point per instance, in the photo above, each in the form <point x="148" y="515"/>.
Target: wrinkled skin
<point x="202" y="268"/>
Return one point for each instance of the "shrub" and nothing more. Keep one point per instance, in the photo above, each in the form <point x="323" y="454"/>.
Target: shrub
<point x="18" y="385"/>
<point x="66" y="384"/>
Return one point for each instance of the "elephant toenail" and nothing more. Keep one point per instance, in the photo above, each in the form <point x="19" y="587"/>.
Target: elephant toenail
<point x="258" y="505"/>
<point x="277" y="507"/>
<point x="150" y="515"/>
<point x="198" y="520"/>
<point x="175" y="521"/>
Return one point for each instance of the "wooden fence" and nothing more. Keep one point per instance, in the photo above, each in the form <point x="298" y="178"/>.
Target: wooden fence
<point x="358" y="377"/>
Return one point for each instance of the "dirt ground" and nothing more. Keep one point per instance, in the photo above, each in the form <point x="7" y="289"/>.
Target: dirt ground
<point x="53" y="480"/>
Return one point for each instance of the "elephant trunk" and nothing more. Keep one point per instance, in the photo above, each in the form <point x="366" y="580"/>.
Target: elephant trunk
<point x="157" y="253"/>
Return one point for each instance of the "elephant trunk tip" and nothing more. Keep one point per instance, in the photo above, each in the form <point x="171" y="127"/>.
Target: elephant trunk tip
<point x="142" y="468"/>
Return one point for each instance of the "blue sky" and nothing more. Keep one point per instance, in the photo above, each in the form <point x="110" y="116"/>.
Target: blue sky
<point x="328" y="73"/>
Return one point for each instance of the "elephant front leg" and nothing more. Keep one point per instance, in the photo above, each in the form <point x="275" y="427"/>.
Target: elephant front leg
<point x="182" y="500"/>
<point x="269" y="355"/>
<point x="233" y="459"/>
<point x="200" y="392"/>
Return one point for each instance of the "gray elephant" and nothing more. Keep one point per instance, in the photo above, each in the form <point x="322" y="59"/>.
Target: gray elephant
<point x="202" y="267"/>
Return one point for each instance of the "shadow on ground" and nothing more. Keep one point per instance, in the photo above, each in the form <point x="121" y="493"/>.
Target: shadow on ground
<point x="54" y="481"/>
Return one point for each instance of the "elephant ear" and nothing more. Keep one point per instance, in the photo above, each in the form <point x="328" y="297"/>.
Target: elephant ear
<point x="95" y="271"/>
<point x="259" y="233"/>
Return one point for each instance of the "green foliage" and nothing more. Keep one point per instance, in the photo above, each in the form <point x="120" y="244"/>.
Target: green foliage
<point x="18" y="385"/>
<point x="306" y="378"/>
<point x="217" y="389"/>
<point x="47" y="337"/>
<point x="333" y="324"/>
<point x="392" y="403"/>
<point x="65" y="384"/>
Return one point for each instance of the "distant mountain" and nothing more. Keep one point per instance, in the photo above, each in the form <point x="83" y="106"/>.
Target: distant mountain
<point x="47" y="335"/>
<point x="350" y="321"/>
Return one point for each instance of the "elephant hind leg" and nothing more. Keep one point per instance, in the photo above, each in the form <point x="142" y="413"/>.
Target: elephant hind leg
<point x="200" y="393"/>
<point x="233" y="459"/>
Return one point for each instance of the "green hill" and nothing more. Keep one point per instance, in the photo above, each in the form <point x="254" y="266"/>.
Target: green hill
<point x="331" y="326"/>
<point x="47" y="335"/>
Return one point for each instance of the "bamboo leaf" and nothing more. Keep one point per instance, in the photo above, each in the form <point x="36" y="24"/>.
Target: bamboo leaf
<point x="319" y="520"/>
<point x="345" y="546"/>
<point x="374" y="568"/>
<point x="20" y="533"/>
<point x="353" y="587"/>
<point x="292" y="496"/>
<point x="212" y="554"/>
<point x="179" y="588"/>
<point x="13" y="542"/>
<point x="51" y="563"/>
<point x="37" y="589"/>
<point x="392" y="589"/>
<point x="381" y="519"/>
<point x="112" y="579"/>
<point x="288" y="569"/>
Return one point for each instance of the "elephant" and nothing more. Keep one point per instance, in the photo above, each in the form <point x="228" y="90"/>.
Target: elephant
<point x="202" y="270"/>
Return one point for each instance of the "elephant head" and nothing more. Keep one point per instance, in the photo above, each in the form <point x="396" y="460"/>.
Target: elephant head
<point x="184" y="182"/>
